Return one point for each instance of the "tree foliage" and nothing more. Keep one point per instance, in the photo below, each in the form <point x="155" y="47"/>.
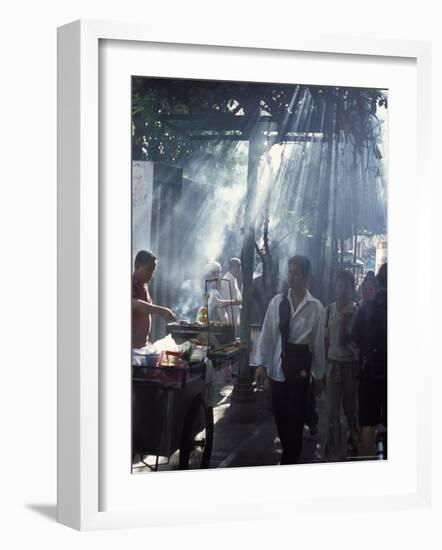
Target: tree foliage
<point x="332" y="109"/>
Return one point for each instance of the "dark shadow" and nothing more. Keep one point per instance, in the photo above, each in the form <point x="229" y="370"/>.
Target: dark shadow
<point x="47" y="510"/>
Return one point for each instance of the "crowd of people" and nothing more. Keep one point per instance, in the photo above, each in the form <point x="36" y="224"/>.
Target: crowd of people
<point x="304" y="350"/>
<point x="341" y="350"/>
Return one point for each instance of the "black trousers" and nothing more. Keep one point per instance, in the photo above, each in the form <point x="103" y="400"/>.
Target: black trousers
<point x="311" y="415"/>
<point x="289" y="404"/>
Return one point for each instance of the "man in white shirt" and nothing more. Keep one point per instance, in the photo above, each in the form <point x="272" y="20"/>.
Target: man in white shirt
<point x="232" y="276"/>
<point x="291" y="351"/>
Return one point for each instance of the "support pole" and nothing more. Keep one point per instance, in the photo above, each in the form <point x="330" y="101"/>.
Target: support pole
<point x="243" y="403"/>
<point x="355" y="256"/>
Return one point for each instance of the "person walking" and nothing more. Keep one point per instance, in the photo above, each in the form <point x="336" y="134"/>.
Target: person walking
<point x="368" y="289"/>
<point x="290" y="351"/>
<point x="370" y="335"/>
<point x="342" y="370"/>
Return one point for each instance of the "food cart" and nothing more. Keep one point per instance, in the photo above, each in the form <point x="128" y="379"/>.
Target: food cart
<point x="172" y="408"/>
<point x="171" y="411"/>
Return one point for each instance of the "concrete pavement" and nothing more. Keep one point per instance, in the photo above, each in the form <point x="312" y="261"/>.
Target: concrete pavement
<point x="251" y="444"/>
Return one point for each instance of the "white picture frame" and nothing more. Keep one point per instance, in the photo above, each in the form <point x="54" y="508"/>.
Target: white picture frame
<point x="79" y="408"/>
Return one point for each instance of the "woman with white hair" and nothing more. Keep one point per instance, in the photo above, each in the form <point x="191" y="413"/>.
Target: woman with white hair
<point x="216" y="305"/>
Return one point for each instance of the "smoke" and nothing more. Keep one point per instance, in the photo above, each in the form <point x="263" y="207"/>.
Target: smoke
<point x="313" y="192"/>
<point x="190" y="299"/>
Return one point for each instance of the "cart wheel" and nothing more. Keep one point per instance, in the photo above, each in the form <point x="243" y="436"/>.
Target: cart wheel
<point x="197" y="439"/>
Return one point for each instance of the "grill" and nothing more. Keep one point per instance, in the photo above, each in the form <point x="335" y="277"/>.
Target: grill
<point x="217" y="335"/>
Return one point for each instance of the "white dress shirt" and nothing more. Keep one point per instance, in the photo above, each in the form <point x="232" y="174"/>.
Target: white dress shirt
<point x="236" y="295"/>
<point x="216" y="311"/>
<point x="306" y="327"/>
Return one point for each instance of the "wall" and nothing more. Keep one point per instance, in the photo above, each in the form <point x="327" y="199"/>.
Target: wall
<point x="28" y="274"/>
<point x="142" y="185"/>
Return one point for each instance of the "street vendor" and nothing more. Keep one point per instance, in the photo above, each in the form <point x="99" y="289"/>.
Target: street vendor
<point x="290" y="352"/>
<point x="142" y="305"/>
<point x="216" y="304"/>
<point x="232" y="292"/>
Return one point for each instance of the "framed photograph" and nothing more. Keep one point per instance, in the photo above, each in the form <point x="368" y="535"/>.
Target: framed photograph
<point x="226" y="215"/>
